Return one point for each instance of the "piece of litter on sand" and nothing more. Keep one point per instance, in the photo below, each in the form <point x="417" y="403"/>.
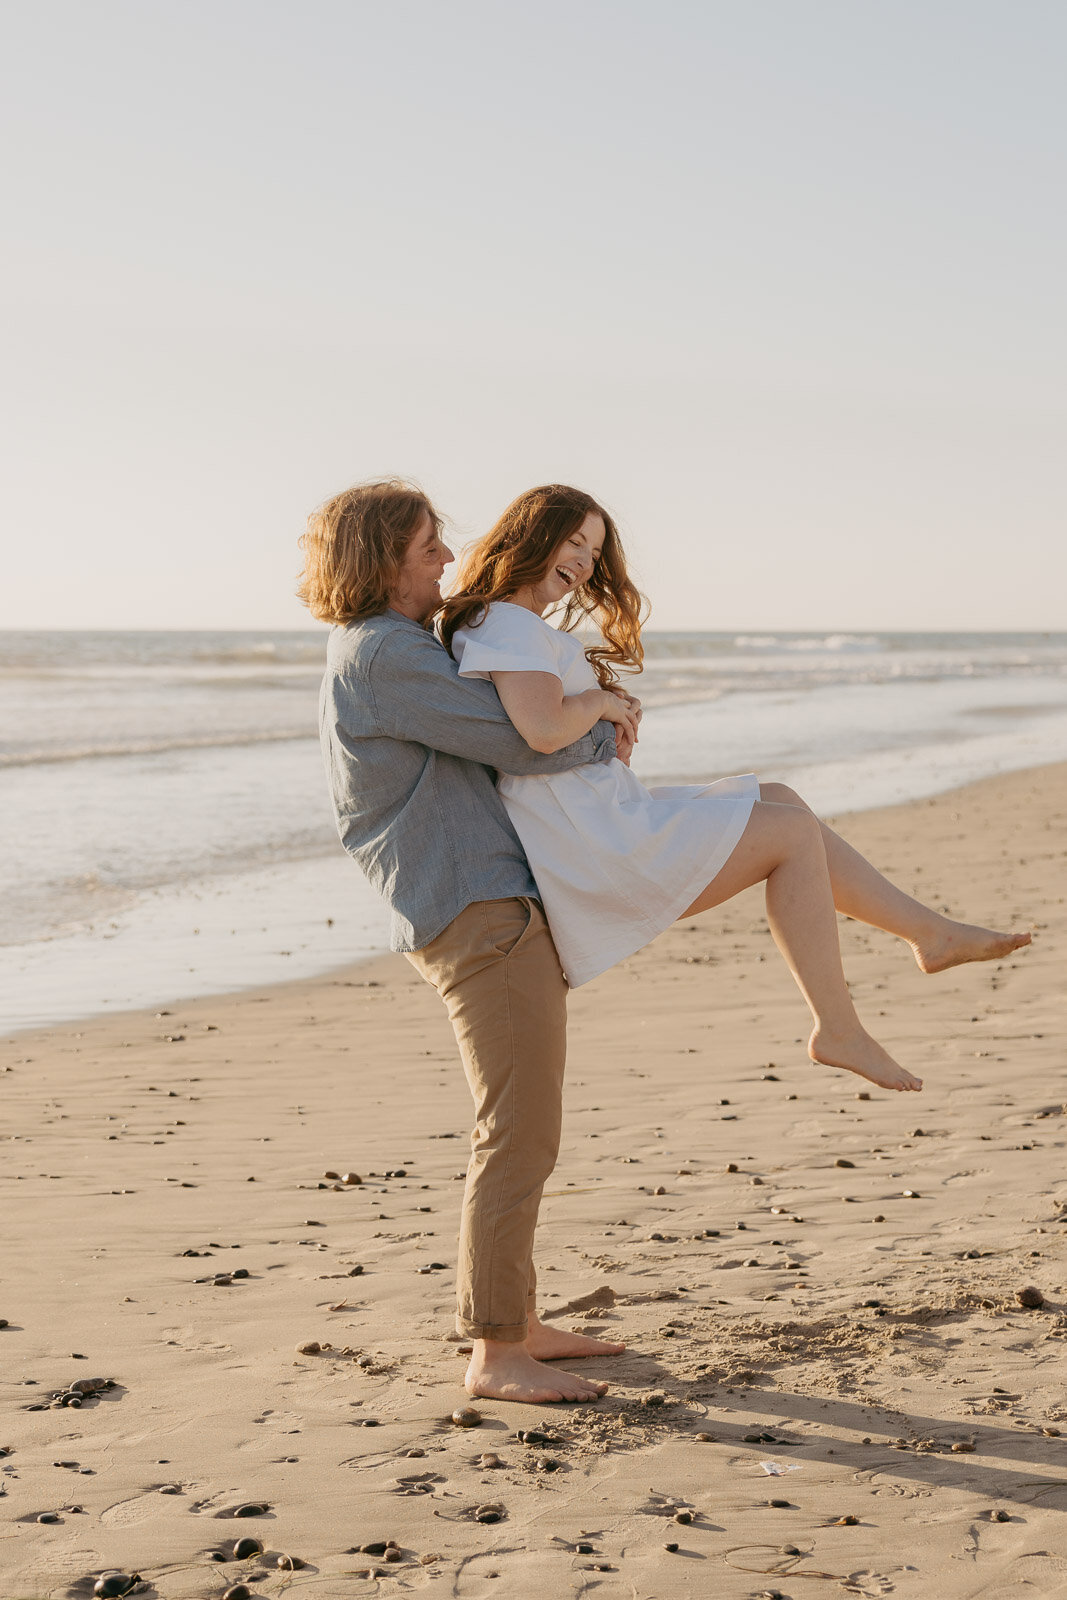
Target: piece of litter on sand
<point x="778" y="1469"/>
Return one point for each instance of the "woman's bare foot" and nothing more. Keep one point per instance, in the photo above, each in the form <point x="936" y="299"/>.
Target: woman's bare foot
<point x="500" y="1371"/>
<point x="557" y="1344"/>
<point x="858" y="1052"/>
<point x="957" y="942"/>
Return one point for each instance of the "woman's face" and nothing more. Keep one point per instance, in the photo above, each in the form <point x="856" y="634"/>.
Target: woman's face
<point x="571" y="565"/>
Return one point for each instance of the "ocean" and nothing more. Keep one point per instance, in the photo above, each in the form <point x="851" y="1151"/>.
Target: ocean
<point x="165" y="825"/>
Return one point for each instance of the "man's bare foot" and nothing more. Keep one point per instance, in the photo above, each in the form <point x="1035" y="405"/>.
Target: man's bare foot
<point x="957" y="942"/>
<point x="858" y="1052"/>
<point x="500" y="1371"/>
<point x="558" y="1344"/>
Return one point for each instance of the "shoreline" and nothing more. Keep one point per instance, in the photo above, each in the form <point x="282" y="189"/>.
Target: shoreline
<point x="809" y="1273"/>
<point x="248" y="930"/>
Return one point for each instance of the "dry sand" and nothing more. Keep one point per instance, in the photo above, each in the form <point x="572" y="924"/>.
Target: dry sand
<point x="809" y="1273"/>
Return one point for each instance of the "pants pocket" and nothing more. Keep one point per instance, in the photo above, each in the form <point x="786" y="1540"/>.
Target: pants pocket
<point x="507" y="921"/>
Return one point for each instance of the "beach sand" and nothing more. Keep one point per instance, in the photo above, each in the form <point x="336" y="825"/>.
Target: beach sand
<point x="809" y="1272"/>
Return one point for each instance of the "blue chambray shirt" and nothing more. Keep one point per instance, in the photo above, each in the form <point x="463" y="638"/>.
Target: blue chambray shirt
<point x="410" y="750"/>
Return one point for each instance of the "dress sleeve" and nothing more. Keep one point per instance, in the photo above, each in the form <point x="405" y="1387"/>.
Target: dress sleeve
<point x="508" y="639"/>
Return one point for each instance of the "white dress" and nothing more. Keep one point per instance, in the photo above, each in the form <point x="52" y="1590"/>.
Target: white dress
<point x="615" y="863"/>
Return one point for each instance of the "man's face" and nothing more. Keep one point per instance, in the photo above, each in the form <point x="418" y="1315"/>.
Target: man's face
<point x="418" y="591"/>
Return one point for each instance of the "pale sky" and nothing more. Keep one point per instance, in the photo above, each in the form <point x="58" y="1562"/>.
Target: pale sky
<point x="781" y="283"/>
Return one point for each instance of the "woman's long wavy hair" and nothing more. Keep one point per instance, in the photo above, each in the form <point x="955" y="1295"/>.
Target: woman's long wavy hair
<point x="518" y="551"/>
<point x="354" y="548"/>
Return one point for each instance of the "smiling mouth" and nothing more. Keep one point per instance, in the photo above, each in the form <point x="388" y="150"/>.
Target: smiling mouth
<point x="569" y="578"/>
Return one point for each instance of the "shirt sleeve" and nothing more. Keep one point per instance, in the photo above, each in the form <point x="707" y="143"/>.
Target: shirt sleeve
<point x="418" y="695"/>
<point x="508" y="639"/>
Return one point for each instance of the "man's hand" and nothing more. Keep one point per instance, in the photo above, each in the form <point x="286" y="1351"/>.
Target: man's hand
<point x="626" y="733"/>
<point x="624" y="746"/>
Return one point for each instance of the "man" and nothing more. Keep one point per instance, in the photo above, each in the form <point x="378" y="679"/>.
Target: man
<point x="410" y="749"/>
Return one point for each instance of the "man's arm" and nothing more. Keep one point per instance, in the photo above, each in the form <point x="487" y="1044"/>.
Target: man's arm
<point x="419" y="695"/>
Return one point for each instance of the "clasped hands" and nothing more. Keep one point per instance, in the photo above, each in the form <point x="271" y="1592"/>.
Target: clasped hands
<point x="624" y="710"/>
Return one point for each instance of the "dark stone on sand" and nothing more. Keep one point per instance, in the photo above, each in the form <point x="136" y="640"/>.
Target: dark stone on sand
<point x="115" y="1585"/>
<point x="671" y="1547"/>
<point x="48" y="1516"/>
<point x="393" y="1553"/>
<point x="741" y="1226"/>
<point x="790" y="1550"/>
<point x="848" y="1521"/>
<point x="1000" y="1516"/>
<point x="783" y="1505"/>
<point x="170" y="1488"/>
<point x="685" y="1517"/>
<point x="351" y="1178"/>
<point x="216" y="1555"/>
<point x="843" y="1161"/>
<point x="290" y="1563"/>
<point x="1030" y="1297"/>
<point x="254" y="1508"/>
<point x="731" y="1166"/>
<point x="467" y="1417"/>
<point x="238" y="1591"/>
<point x="583" y="1548"/>
<point x="489" y="1513"/>
<point x="377" y="1547"/>
<point x="355" y="1272"/>
<point x="4" y="1323"/>
<point x="704" y="1438"/>
<point x="536" y="1436"/>
<point x="312" y="1347"/>
<point x="240" y="1272"/>
<point x="246" y="1548"/>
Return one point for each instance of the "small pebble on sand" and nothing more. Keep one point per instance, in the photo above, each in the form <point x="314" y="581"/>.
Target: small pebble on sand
<point x="467" y="1417"/>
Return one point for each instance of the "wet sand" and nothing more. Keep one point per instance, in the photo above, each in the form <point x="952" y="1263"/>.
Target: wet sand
<point x="813" y="1275"/>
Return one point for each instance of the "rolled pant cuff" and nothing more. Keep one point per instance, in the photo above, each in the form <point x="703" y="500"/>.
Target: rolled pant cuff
<point x="506" y="1332"/>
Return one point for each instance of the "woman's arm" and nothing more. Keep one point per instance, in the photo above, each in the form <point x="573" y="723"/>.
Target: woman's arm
<point x="548" y="719"/>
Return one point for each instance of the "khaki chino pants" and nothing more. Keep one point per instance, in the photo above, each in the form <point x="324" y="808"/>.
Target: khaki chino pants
<point x="497" y="971"/>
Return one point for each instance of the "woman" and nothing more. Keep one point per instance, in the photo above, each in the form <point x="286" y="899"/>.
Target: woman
<point x="616" y="863"/>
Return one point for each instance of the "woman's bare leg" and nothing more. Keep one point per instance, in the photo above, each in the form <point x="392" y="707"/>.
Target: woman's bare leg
<point x="783" y="847"/>
<point x="861" y="891"/>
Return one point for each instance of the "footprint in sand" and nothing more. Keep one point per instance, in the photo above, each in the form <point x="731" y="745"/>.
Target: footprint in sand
<point x="1036" y="1573"/>
<point x="138" y="1508"/>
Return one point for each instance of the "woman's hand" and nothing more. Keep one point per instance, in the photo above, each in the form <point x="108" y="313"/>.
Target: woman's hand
<point x="624" y="711"/>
